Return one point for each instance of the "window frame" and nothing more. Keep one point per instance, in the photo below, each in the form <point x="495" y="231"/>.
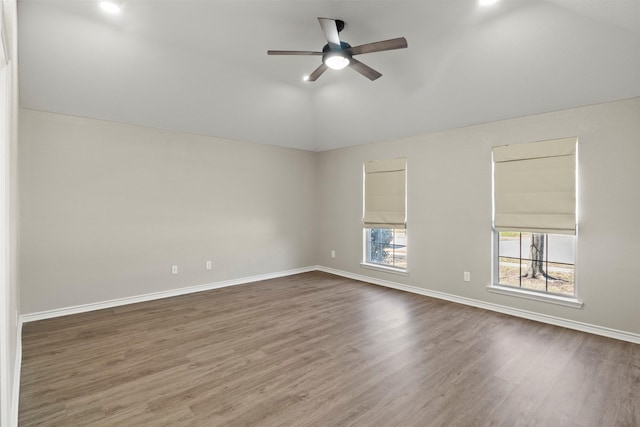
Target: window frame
<point x="383" y="166"/>
<point x="494" y="285"/>
<point x="532" y="294"/>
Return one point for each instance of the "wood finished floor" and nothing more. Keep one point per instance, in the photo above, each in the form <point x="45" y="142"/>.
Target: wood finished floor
<point x="320" y="350"/>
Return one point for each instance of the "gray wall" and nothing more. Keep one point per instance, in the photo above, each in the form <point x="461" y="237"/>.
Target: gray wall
<point x="107" y="208"/>
<point x="449" y="209"/>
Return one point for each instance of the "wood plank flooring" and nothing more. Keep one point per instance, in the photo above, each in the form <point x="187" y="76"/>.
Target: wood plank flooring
<point x="320" y="350"/>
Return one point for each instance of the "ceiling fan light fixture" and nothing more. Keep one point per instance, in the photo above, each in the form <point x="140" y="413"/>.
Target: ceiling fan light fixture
<point x="335" y="61"/>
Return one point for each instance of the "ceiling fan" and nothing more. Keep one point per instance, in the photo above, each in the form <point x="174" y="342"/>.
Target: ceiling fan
<point x="337" y="54"/>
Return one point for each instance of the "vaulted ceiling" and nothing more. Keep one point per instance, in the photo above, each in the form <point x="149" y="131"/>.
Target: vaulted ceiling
<point x="201" y="66"/>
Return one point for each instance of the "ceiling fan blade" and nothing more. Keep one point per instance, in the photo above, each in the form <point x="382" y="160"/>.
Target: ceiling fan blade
<point x="399" y="43"/>
<point x="292" y="52"/>
<point x="317" y="73"/>
<point x="363" y="69"/>
<point x="330" y="30"/>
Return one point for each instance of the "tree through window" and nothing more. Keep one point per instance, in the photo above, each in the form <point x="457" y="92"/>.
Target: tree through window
<point x="387" y="247"/>
<point x="537" y="261"/>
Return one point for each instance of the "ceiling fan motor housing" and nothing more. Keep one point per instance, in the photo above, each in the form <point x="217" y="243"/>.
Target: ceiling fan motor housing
<point x="343" y="46"/>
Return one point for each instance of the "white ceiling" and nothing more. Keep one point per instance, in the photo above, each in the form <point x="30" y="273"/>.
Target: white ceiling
<point x="201" y="66"/>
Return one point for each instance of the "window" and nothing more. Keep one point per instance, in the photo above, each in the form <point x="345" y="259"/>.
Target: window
<point x="534" y="189"/>
<point x="384" y="219"/>
<point x="537" y="262"/>
<point x="386" y="247"/>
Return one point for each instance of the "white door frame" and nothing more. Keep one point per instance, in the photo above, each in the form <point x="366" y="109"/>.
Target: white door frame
<point x="5" y="161"/>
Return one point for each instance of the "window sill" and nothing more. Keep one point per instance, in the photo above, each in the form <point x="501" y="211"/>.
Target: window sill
<point x="391" y="270"/>
<point x="536" y="296"/>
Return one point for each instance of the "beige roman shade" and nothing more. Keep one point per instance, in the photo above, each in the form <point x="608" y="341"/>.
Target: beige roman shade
<point x="535" y="186"/>
<point x="385" y="184"/>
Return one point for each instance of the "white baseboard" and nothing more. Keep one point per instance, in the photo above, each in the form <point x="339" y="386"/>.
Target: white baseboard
<point x="59" y="312"/>
<point x="15" y="389"/>
<point x="558" y="321"/>
<point x="552" y="320"/>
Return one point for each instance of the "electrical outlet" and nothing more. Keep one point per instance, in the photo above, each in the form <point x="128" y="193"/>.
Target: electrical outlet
<point x="174" y="269"/>
<point x="467" y="276"/>
<point x="333" y="254"/>
<point x="207" y="265"/>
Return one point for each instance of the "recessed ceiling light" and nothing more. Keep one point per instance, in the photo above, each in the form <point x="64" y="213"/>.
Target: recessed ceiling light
<point x="107" y="6"/>
<point x="487" y="2"/>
